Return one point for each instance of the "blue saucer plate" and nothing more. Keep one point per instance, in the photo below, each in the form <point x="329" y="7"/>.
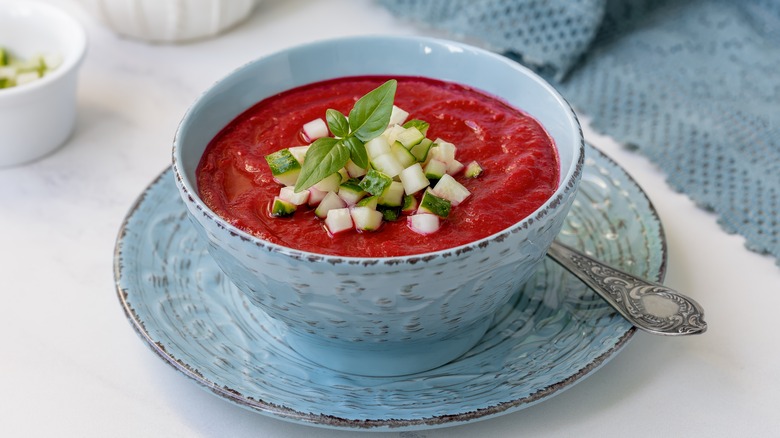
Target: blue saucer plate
<point x="551" y="335"/>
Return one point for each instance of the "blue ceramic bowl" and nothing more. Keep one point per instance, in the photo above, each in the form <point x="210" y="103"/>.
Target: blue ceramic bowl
<point x="384" y="316"/>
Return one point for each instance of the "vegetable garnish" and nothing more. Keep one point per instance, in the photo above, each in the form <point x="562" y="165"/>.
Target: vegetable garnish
<point x="15" y="71"/>
<point x="377" y="167"/>
<point x="367" y="120"/>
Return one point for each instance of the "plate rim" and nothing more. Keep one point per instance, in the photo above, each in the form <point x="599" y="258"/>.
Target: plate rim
<point x="336" y="422"/>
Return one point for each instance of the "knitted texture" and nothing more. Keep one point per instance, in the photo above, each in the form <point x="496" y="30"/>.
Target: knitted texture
<point x="693" y="85"/>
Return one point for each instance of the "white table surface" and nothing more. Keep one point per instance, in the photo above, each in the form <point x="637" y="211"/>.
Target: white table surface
<point x="72" y="366"/>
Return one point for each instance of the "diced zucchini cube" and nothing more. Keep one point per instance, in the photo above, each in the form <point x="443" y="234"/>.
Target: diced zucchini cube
<point x="443" y="151"/>
<point x="27" y="77"/>
<point x="387" y="164"/>
<point x="423" y="223"/>
<point x="368" y="201"/>
<point x="366" y="218"/>
<point x="391" y="133"/>
<point x="353" y="170"/>
<point x="377" y="146"/>
<point x="330" y="183"/>
<point x="397" y="116"/>
<point x="420" y="150"/>
<point x="450" y="189"/>
<point x="338" y="220"/>
<point x="473" y="170"/>
<point x="331" y="201"/>
<point x="315" y="129"/>
<point x="422" y="125"/>
<point x="316" y="196"/>
<point x="433" y="204"/>
<point x="409" y="137"/>
<point x="392" y="196"/>
<point x="51" y="60"/>
<point x="284" y="167"/>
<point x="288" y="194"/>
<point x="435" y="169"/>
<point x="375" y="182"/>
<point x="409" y="205"/>
<point x="413" y="179"/>
<point x="282" y="208"/>
<point x="454" y="167"/>
<point x="351" y="192"/>
<point x="404" y="157"/>
<point x="299" y="152"/>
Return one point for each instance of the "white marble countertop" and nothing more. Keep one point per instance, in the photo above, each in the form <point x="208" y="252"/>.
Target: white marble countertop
<point x="72" y="366"/>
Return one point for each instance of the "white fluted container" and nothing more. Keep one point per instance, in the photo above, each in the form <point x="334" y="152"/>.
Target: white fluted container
<point x="169" y="21"/>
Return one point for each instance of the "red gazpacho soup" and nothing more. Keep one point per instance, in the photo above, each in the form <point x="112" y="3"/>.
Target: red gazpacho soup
<point x="515" y="169"/>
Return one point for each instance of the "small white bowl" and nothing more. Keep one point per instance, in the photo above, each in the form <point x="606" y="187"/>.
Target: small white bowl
<point x="169" y="21"/>
<point x="38" y="117"/>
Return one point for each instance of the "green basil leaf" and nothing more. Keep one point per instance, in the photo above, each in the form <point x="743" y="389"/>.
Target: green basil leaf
<point x="357" y="151"/>
<point x="337" y="123"/>
<point x="325" y="156"/>
<point x="371" y="113"/>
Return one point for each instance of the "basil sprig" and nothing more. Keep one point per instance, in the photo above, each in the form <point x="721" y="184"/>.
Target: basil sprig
<point x="367" y="120"/>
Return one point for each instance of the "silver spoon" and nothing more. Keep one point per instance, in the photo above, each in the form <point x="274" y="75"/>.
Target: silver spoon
<point x="649" y="306"/>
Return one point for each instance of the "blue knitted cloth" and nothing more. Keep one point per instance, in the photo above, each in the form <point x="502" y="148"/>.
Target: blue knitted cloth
<point x="694" y="85"/>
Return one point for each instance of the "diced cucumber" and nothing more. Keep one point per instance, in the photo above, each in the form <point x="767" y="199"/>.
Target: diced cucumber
<point x="454" y="167"/>
<point x="27" y="77"/>
<point x="423" y="223"/>
<point x="368" y="201"/>
<point x="353" y="170"/>
<point x="338" y="220"/>
<point x="450" y="189"/>
<point x="284" y="167"/>
<point x="409" y="137"/>
<point x="413" y="179"/>
<point x="390" y="214"/>
<point x="397" y="116"/>
<point x="404" y="157"/>
<point x="315" y="129"/>
<point x="51" y="61"/>
<point x="330" y="183"/>
<point x="288" y="194"/>
<point x="443" y="151"/>
<point x="316" y="196"/>
<point x="331" y="201"/>
<point x="391" y="133"/>
<point x="387" y="164"/>
<point x="4" y="57"/>
<point x="351" y="192"/>
<point x="344" y="174"/>
<point x="392" y="196"/>
<point x="420" y="150"/>
<point x="366" y="218"/>
<point x="281" y="208"/>
<point x="375" y="182"/>
<point x="299" y="152"/>
<point x="433" y="204"/>
<point x="376" y="147"/>
<point x="409" y="204"/>
<point x="473" y="170"/>
<point x="435" y="169"/>
<point x="422" y="125"/>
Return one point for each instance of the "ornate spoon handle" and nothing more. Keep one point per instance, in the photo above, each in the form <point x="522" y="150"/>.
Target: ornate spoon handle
<point x="649" y="306"/>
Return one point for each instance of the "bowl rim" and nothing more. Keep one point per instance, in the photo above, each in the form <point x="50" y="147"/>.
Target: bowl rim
<point x="69" y="63"/>
<point x="569" y="178"/>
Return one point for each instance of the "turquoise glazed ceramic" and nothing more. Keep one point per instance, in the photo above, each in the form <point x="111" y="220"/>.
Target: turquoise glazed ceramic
<point x="383" y="316"/>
